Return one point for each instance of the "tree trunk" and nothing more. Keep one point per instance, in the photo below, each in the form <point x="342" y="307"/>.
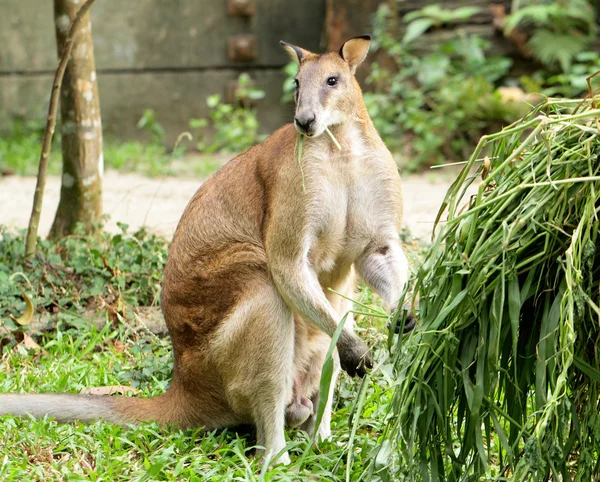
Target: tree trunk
<point x="81" y="128"/>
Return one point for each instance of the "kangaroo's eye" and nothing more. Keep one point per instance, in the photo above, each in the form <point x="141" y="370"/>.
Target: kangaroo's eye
<point x="297" y="83"/>
<point x="331" y="81"/>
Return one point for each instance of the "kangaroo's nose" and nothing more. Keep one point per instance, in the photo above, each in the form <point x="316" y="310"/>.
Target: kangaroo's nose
<point x="305" y="122"/>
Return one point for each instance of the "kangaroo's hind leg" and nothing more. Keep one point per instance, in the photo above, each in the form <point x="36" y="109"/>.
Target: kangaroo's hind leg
<point x="255" y="351"/>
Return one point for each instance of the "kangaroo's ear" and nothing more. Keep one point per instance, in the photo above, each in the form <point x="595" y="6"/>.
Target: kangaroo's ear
<point x="297" y="54"/>
<point x="354" y="51"/>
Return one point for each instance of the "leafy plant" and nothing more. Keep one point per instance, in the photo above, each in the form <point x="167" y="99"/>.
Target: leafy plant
<point x="561" y="29"/>
<point x="501" y="380"/>
<point x="133" y="156"/>
<point x="81" y="272"/>
<point x="235" y="126"/>
<point x="289" y="85"/>
<point x="20" y="152"/>
<point x="571" y="83"/>
<point x="20" y="149"/>
<point x="433" y="107"/>
<point x="419" y="21"/>
<point x="149" y="122"/>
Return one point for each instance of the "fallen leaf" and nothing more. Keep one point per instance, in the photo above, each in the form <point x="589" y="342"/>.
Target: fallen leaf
<point x="29" y="343"/>
<point x="119" y="347"/>
<point x="26" y="317"/>
<point x="110" y="390"/>
<point x="25" y="343"/>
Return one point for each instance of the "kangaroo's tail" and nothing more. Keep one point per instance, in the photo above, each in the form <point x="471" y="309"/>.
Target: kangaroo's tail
<point x="165" y="408"/>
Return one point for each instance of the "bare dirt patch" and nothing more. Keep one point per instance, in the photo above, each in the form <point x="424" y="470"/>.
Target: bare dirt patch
<point x="158" y="203"/>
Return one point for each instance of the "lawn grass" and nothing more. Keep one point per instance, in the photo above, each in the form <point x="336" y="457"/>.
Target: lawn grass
<point x="71" y="359"/>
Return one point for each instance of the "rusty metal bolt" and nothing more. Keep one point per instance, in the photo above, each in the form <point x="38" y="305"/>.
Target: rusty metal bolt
<point x="241" y="8"/>
<point x="242" y="48"/>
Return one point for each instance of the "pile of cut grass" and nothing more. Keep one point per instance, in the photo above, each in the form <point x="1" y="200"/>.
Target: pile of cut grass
<point x="501" y="380"/>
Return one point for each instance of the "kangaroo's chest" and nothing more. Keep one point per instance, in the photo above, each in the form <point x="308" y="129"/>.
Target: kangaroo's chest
<point x="352" y="205"/>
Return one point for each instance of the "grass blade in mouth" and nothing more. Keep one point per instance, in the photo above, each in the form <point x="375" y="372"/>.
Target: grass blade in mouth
<point x="300" y="141"/>
<point x="333" y="138"/>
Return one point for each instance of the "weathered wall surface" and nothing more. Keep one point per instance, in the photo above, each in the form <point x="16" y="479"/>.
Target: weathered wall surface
<point x="151" y="54"/>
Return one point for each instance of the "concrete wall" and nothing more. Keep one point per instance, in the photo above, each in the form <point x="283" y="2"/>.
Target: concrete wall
<point x="151" y="54"/>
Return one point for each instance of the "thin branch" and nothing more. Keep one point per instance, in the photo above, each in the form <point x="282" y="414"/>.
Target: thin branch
<point x="34" y="220"/>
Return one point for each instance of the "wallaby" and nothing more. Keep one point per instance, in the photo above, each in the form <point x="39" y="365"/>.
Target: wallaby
<point x="247" y="293"/>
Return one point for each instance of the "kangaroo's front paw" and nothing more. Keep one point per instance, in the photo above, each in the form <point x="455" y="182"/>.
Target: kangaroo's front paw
<point x="355" y="357"/>
<point x="409" y="324"/>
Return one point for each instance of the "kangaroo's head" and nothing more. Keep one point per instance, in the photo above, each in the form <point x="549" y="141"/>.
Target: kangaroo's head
<point x="326" y="91"/>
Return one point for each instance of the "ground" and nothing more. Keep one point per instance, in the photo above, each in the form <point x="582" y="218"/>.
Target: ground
<point x="158" y="202"/>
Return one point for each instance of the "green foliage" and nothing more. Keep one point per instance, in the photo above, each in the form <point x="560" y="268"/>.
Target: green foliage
<point x="419" y="21"/>
<point x="289" y="85"/>
<point x="501" y="380"/>
<point x="561" y="29"/>
<point x="435" y="106"/>
<point x="134" y="156"/>
<point x="571" y="83"/>
<point x="550" y="47"/>
<point x="149" y="123"/>
<point x="81" y="272"/>
<point x="20" y="150"/>
<point x="235" y="126"/>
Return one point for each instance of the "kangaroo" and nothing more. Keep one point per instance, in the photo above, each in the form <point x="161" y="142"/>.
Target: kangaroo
<point x="247" y="293"/>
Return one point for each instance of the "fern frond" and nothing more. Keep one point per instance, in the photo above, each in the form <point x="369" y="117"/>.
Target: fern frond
<point x="551" y="48"/>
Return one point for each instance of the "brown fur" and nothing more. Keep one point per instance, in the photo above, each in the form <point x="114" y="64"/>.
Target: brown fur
<point x="246" y="287"/>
